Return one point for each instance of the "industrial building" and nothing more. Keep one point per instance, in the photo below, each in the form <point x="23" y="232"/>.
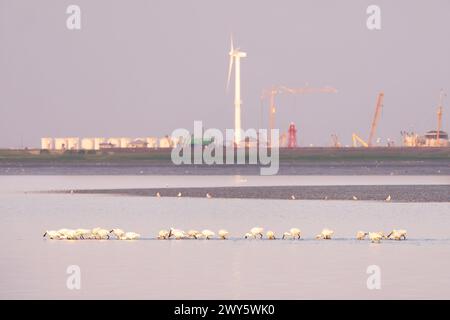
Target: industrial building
<point x="75" y="143"/>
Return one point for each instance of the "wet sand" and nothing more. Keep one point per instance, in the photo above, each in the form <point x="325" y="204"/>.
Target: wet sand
<point x="398" y="193"/>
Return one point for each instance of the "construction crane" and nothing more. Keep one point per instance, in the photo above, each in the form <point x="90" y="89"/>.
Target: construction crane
<point x="335" y="140"/>
<point x="376" y="117"/>
<point x="356" y="139"/>
<point x="276" y="90"/>
<point x="373" y="127"/>
<point x="439" y="115"/>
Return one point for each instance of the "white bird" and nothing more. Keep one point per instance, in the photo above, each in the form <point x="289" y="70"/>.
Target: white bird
<point x="68" y="234"/>
<point x="223" y="234"/>
<point x="118" y="233"/>
<point x="130" y="236"/>
<point x="354" y="198"/>
<point x="270" y="235"/>
<point x="292" y="197"/>
<point x="163" y="234"/>
<point x="287" y="235"/>
<point x="397" y="234"/>
<point x="248" y="235"/>
<point x="158" y="195"/>
<point x="99" y="233"/>
<point x="361" y="235"/>
<point x="388" y="198"/>
<point x="83" y="233"/>
<point x="179" y="194"/>
<point x="295" y="233"/>
<point x="208" y="196"/>
<point x="257" y="231"/>
<point x="178" y="234"/>
<point x="194" y="234"/>
<point x="208" y="234"/>
<point x="375" y="237"/>
<point x="325" y="234"/>
<point x="52" y="234"/>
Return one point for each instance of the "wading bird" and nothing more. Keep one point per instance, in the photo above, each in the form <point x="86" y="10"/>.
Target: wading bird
<point x="257" y="231"/>
<point x="223" y="234"/>
<point x="361" y="235"/>
<point x="208" y="234"/>
<point x="325" y="234"/>
<point x="270" y="235"/>
<point x="52" y="234"/>
<point x="287" y="235"/>
<point x="397" y="234"/>
<point x="375" y="237"/>
<point x="194" y="234"/>
<point x="118" y="233"/>
<point x="295" y="233"/>
<point x="163" y="234"/>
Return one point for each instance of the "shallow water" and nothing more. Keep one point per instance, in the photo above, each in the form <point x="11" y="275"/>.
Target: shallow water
<point x="31" y="267"/>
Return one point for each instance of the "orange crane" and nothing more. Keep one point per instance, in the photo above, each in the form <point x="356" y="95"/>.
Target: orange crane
<point x="439" y="114"/>
<point x="373" y="128"/>
<point x="376" y="117"/>
<point x="276" y="90"/>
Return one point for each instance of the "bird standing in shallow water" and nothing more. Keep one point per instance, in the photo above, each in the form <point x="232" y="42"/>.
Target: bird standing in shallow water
<point x="287" y="235"/>
<point x="257" y="231"/>
<point x="271" y="235"/>
<point x="208" y="234"/>
<point x="375" y="237"/>
<point x="163" y="234"/>
<point x="295" y="233"/>
<point x="325" y="234"/>
<point x="223" y="234"/>
<point x="361" y="235"/>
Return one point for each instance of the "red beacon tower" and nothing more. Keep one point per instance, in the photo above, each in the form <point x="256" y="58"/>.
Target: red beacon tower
<point x="292" y="140"/>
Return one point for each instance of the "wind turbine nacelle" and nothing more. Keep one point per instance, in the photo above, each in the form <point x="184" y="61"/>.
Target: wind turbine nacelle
<point x="242" y="54"/>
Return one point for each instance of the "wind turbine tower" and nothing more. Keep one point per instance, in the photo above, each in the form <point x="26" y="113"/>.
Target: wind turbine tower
<point x="235" y="56"/>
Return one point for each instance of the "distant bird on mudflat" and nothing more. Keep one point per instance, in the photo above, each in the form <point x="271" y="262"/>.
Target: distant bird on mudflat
<point x="361" y="235"/>
<point x="223" y="234"/>
<point x="270" y="235"/>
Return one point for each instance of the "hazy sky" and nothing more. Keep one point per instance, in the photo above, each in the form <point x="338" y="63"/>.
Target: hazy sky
<point x="144" y="68"/>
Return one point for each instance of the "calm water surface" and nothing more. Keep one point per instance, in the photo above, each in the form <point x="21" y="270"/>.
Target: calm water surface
<point x="31" y="267"/>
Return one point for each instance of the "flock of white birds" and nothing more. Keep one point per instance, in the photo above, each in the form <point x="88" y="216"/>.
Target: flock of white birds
<point x="178" y="234"/>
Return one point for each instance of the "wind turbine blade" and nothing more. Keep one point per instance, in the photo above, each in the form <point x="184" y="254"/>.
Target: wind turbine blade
<point x="230" y="68"/>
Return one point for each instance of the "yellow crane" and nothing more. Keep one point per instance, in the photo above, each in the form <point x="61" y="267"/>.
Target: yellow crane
<point x="276" y="90"/>
<point x="373" y="127"/>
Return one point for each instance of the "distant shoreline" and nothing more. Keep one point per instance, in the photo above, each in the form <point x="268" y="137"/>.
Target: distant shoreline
<point x="163" y="156"/>
<point x="398" y="193"/>
<point x="300" y="161"/>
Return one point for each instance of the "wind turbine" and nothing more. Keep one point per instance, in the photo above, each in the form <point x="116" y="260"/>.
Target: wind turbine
<point x="236" y="55"/>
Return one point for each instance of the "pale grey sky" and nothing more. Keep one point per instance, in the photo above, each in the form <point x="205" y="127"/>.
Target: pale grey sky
<point x="144" y="68"/>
